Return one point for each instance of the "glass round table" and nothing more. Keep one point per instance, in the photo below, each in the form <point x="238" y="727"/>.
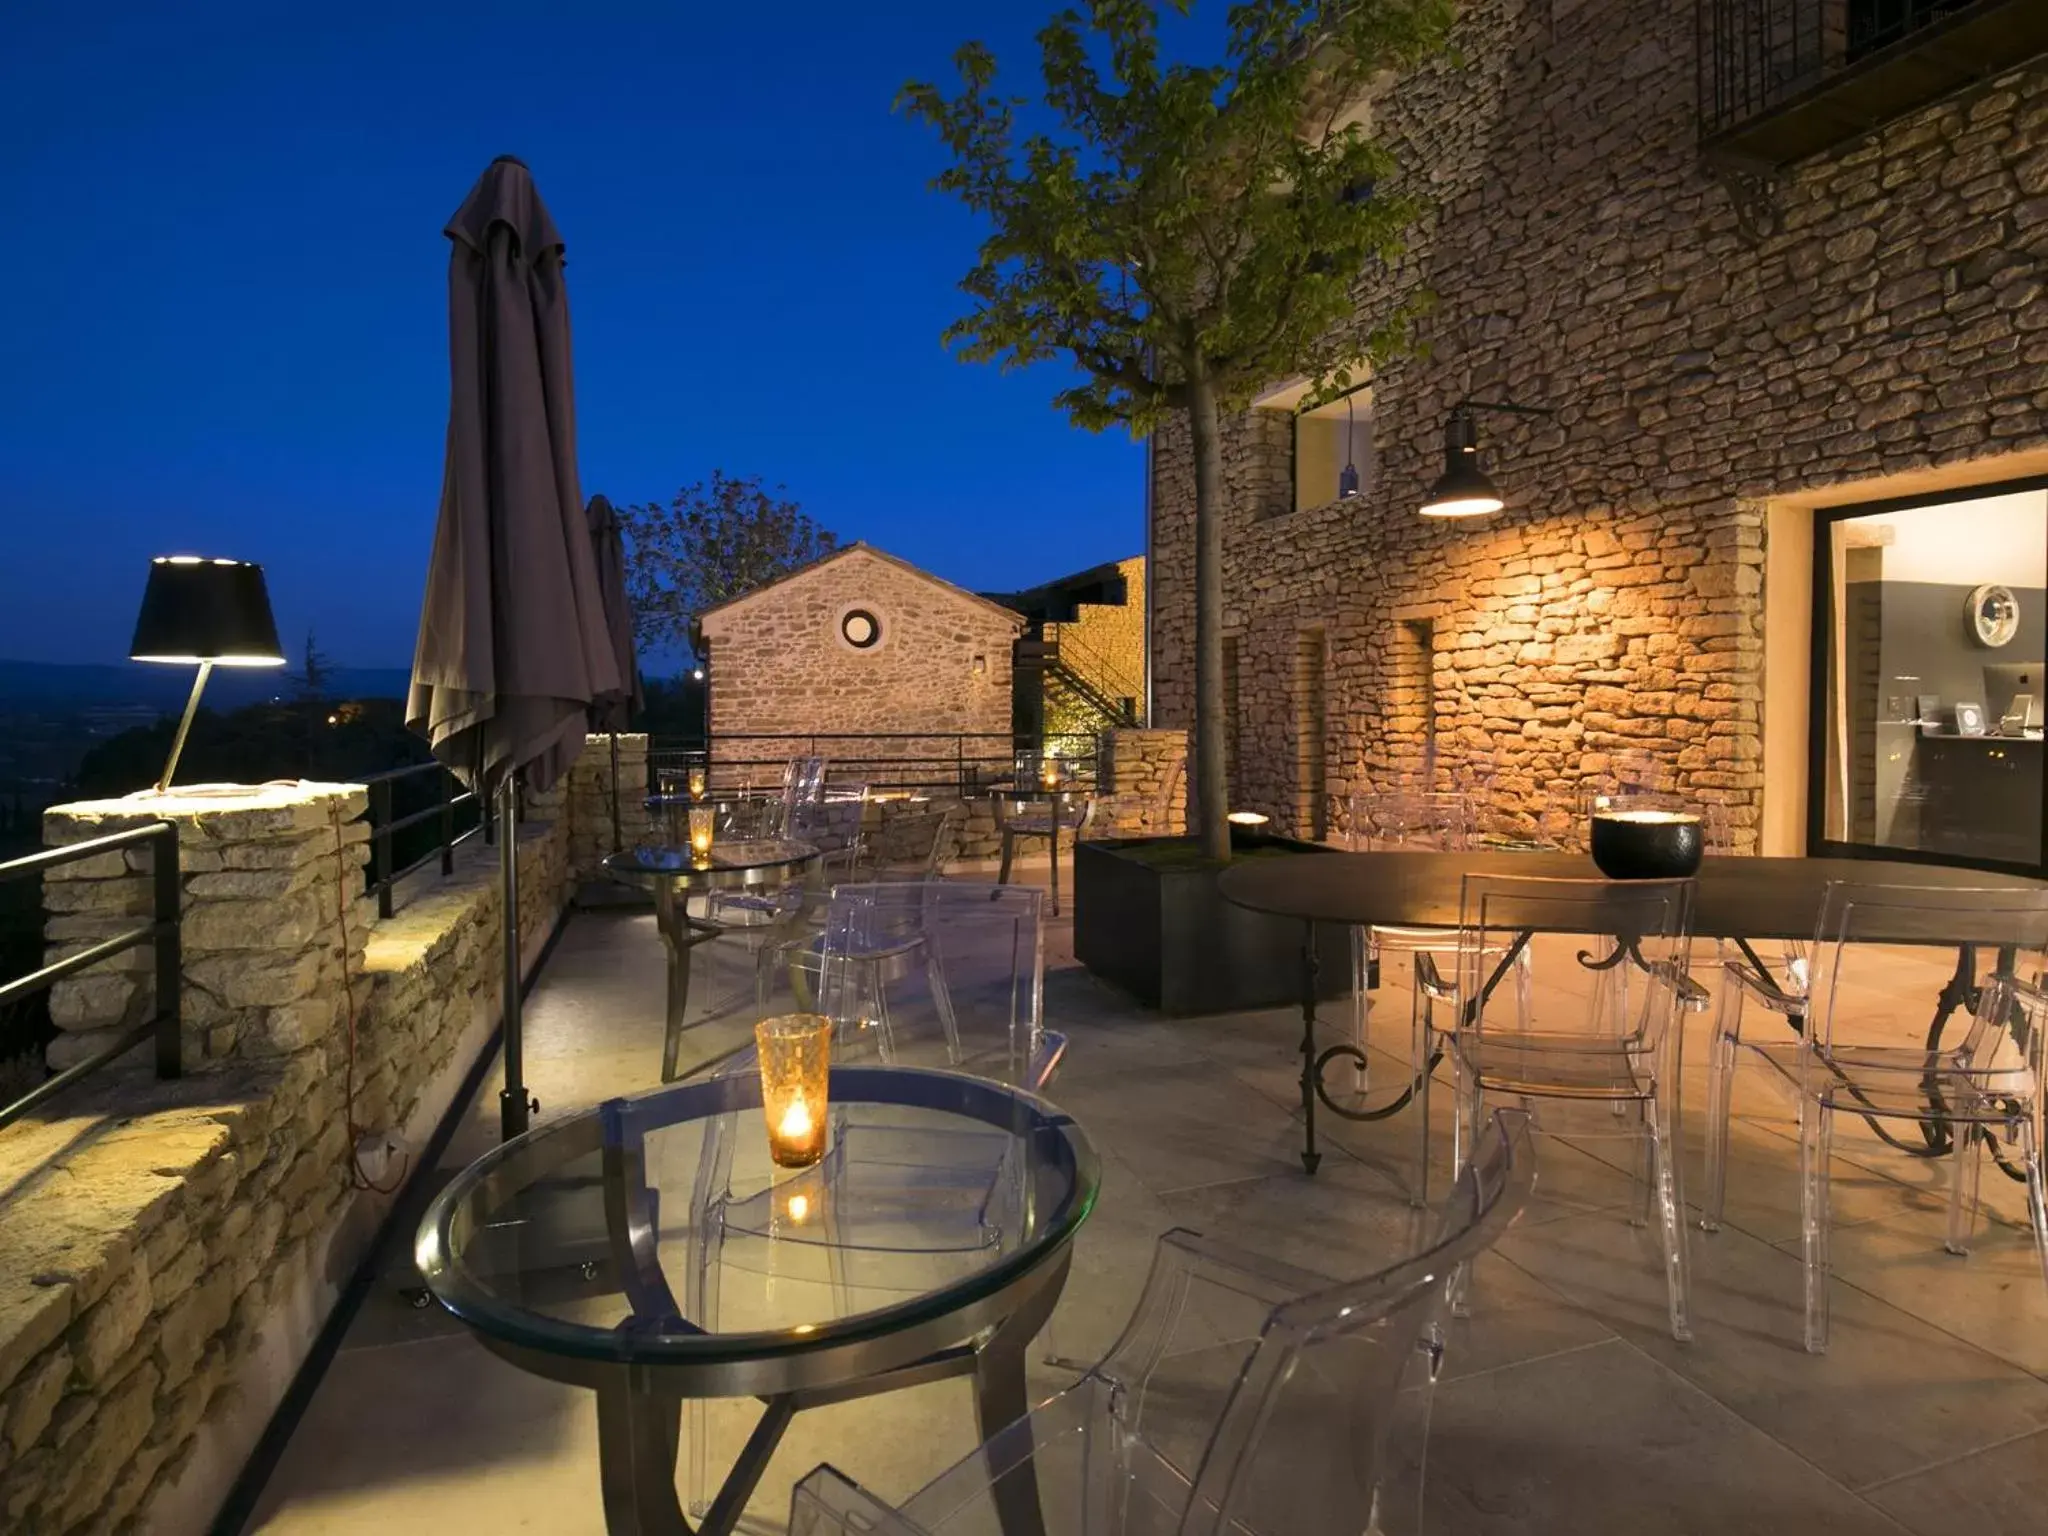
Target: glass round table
<point x="650" y="1250"/>
<point x="748" y="866"/>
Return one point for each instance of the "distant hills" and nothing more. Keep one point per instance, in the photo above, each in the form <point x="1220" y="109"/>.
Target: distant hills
<point x="50" y="685"/>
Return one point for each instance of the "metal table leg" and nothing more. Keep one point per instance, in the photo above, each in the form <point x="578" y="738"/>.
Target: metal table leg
<point x="1002" y="1397"/>
<point x="1310" y="1087"/>
<point x="681" y="933"/>
<point x="1055" y="855"/>
<point x="637" y="1432"/>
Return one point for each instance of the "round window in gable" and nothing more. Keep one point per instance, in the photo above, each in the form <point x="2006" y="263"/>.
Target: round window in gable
<point x="860" y="629"/>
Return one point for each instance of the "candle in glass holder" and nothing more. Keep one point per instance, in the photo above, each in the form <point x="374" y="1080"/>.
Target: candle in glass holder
<point x="1049" y="773"/>
<point x="698" y="783"/>
<point x="700" y="833"/>
<point x="796" y="1055"/>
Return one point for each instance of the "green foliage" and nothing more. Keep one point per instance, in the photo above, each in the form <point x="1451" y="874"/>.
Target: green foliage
<point x="716" y="540"/>
<point x="1184" y="222"/>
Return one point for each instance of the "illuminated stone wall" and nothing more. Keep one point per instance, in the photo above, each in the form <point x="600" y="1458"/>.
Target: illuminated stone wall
<point x="1583" y="259"/>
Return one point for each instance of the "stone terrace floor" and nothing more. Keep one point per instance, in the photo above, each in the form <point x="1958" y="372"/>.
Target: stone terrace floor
<point x="1566" y="1406"/>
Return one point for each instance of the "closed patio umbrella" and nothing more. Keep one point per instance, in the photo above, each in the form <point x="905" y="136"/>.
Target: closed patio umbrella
<point x="613" y="712"/>
<point x="513" y="646"/>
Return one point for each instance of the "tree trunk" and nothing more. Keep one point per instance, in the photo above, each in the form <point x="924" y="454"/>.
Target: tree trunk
<point x="1212" y="786"/>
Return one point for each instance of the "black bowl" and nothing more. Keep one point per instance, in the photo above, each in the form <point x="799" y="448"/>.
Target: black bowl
<point x="1647" y="845"/>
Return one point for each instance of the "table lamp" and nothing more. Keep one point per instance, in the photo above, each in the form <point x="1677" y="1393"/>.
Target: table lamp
<point x="208" y="613"/>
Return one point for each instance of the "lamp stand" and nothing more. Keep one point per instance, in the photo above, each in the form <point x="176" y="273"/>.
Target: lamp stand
<point x="185" y="725"/>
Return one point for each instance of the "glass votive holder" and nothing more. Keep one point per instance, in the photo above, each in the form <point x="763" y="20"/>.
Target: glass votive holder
<point x="702" y="829"/>
<point x="796" y="1057"/>
<point x="699" y="782"/>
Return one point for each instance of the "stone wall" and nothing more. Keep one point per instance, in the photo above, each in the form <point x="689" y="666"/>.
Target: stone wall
<point x="1144" y="783"/>
<point x="169" y="1250"/>
<point x="587" y="805"/>
<point x="779" y="665"/>
<point x="1583" y="259"/>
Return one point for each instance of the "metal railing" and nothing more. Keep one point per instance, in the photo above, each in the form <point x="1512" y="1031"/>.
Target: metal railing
<point x="1093" y="678"/>
<point x="162" y="931"/>
<point x="1758" y="55"/>
<point x="452" y="805"/>
<point x="965" y="763"/>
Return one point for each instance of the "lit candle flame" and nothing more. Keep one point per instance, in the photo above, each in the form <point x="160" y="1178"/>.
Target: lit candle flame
<point x="796" y="1123"/>
<point x="799" y="1207"/>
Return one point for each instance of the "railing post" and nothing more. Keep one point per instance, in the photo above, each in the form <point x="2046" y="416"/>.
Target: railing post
<point x="170" y="953"/>
<point x="447" y="823"/>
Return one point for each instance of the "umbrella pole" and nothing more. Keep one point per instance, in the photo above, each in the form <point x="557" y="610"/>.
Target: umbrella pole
<point x="513" y="1104"/>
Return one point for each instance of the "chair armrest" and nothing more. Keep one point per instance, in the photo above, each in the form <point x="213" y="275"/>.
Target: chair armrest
<point x="829" y="1503"/>
<point x="1740" y="973"/>
<point x="1431" y="980"/>
<point x="1692" y="997"/>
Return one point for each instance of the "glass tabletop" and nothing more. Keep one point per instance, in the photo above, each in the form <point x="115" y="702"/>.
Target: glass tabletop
<point x="734" y="861"/>
<point x="657" y="1230"/>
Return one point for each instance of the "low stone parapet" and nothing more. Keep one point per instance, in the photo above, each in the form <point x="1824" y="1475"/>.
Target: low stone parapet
<point x="169" y="1250"/>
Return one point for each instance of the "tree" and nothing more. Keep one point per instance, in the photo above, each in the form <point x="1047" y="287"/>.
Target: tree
<point x="316" y="674"/>
<point x="1186" y="235"/>
<point x="716" y="540"/>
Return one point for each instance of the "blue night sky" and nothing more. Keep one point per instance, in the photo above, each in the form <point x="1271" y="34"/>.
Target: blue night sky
<point x="225" y="287"/>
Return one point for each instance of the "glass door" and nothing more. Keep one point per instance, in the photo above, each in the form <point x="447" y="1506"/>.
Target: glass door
<point x="1931" y="633"/>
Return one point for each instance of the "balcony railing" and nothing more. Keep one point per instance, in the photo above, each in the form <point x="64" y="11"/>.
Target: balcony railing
<point x="1781" y="80"/>
<point x="931" y="762"/>
<point x="453" y="813"/>
<point x="162" y="931"/>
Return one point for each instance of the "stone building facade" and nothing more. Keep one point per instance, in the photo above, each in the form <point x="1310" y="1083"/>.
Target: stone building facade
<point x="1886" y="331"/>
<point x="858" y="642"/>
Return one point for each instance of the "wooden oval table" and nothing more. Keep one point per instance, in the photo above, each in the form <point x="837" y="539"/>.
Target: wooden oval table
<point x="1739" y="899"/>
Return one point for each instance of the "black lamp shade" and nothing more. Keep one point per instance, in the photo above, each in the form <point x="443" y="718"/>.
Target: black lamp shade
<point x="1464" y="489"/>
<point x="197" y="609"/>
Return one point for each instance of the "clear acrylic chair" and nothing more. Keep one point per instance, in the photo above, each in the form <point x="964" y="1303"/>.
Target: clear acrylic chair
<point x="1413" y="819"/>
<point x="1562" y="1044"/>
<point x="1244" y="1398"/>
<point x="1836" y="1056"/>
<point x="1404" y="818"/>
<point x="940" y="974"/>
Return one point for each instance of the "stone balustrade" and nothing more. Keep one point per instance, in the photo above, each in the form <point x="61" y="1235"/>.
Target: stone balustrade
<point x="168" y="1250"/>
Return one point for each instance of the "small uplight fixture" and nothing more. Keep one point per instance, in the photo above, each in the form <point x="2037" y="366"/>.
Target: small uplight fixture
<point x="1465" y="489"/>
<point x="696" y="674"/>
<point x="1247" y="818"/>
<point x="207" y="613"/>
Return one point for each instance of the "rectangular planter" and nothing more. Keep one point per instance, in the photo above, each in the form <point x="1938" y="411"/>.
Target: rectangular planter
<point x="1168" y="937"/>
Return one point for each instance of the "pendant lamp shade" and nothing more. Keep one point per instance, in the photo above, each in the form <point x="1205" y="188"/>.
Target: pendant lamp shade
<point x="1464" y="489"/>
